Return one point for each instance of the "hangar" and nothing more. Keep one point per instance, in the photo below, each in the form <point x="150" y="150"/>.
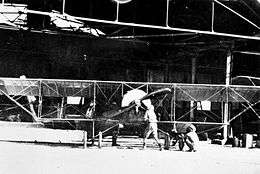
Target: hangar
<point x="165" y="41"/>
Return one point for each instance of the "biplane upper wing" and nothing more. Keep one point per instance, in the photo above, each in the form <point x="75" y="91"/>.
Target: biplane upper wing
<point x="66" y="88"/>
<point x="23" y="87"/>
<point x="217" y="93"/>
<point x="181" y="92"/>
<point x="49" y="88"/>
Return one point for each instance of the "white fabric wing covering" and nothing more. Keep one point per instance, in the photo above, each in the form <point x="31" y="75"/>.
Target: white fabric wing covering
<point x="130" y="96"/>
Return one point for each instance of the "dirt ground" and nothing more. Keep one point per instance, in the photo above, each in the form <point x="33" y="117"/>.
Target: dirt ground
<point x="16" y="158"/>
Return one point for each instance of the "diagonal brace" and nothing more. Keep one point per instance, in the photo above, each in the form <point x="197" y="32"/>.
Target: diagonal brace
<point x="35" y="119"/>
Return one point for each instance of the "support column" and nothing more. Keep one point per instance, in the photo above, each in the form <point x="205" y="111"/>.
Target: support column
<point x="63" y="6"/>
<point x="94" y="97"/>
<point x="61" y="114"/>
<point x="40" y="100"/>
<point x="117" y="11"/>
<point x="212" y="15"/>
<point x="93" y="132"/>
<point x="40" y="106"/>
<point x="85" y="139"/>
<point x="173" y="108"/>
<point x="100" y="139"/>
<point x="193" y="78"/>
<point x="226" y="105"/>
<point x="167" y="14"/>
<point x="166" y="73"/>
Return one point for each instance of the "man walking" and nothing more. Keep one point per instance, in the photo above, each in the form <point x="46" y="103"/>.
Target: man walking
<point x="151" y="128"/>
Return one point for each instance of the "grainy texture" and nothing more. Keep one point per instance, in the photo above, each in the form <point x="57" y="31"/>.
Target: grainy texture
<point x="40" y="159"/>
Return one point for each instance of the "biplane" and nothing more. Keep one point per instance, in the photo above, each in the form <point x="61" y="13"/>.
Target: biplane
<point x="171" y="101"/>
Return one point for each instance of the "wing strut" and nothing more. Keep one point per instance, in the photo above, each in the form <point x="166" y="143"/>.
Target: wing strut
<point x="35" y="119"/>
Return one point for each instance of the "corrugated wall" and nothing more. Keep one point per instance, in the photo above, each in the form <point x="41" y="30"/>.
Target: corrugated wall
<point x="66" y="56"/>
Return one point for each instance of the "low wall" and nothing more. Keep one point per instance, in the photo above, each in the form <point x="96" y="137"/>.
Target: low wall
<point x="41" y="135"/>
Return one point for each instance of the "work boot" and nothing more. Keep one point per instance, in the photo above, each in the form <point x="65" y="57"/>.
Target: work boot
<point x="192" y="150"/>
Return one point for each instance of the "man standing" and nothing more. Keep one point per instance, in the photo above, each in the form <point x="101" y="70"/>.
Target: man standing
<point x="31" y="99"/>
<point x="151" y="128"/>
<point x="90" y="110"/>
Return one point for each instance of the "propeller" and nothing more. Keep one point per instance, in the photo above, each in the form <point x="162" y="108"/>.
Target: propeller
<point x="148" y="96"/>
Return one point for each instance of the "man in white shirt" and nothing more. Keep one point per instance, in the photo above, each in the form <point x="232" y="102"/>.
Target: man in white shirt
<point x="90" y="110"/>
<point x="190" y="138"/>
<point x="151" y="128"/>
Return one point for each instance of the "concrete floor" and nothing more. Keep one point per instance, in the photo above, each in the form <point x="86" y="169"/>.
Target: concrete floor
<point x="18" y="158"/>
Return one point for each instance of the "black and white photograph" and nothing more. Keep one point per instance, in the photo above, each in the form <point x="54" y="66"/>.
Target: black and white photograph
<point x="129" y="86"/>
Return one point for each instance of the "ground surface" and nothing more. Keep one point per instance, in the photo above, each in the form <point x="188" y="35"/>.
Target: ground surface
<point x="16" y="158"/>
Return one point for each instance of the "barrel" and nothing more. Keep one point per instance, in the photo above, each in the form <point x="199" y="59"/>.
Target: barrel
<point x="257" y="144"/>
<point x="235" y="142"/>
<point x="257" y="141"/>
<point x="247" y="140"/>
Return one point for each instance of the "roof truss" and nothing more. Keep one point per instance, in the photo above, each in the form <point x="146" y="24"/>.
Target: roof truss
<point x="165" y="27"/>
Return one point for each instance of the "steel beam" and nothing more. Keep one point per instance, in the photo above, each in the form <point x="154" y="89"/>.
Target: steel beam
<point x="193" y="78"/>
<point x="236" y="13"/>
<point x="148" y="26"/>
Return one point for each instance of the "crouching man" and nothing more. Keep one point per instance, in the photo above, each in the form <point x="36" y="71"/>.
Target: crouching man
<point x="190" y="138"/>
